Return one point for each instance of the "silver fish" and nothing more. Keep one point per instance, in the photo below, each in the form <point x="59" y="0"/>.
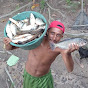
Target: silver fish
<point x="8" y="31"/>
<point x="28" y="39"/>
<point x="22" y="38"/>
<point x="32" y="19"/>
<point x="31" y="31"/>
<point x="14" y="21"/>
<point x="13" y="28"/>
<point x="25" y="20"/>
<point x="20" y="23"/>
<point x="65" y="43"/>
<point x="40" y="29"/>
<point x="39" y="21"/>
<point x="29" y="27"/>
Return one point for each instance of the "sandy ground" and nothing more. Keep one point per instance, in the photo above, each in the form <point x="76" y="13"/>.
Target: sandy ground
<point x="62" y="79"/>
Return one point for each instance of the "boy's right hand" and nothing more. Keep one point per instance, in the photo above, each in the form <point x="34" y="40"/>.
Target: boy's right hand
<point x="8" y="46"/>
<point x="6" y="40"/>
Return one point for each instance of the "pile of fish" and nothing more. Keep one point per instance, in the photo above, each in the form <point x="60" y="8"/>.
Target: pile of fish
<point x="23" y="31"/>
<point x="65" y="43"/>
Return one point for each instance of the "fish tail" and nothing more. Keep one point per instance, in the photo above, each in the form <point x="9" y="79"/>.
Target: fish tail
<point x="52" y="45"/>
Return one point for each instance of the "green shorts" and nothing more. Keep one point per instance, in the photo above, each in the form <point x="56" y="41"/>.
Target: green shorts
<point x="45" y="81"/>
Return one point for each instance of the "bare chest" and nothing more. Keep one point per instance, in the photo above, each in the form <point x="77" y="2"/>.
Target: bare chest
<point x="44" y="54"/>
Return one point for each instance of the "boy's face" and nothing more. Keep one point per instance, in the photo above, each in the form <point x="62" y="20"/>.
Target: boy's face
<point x="54" y="34"/>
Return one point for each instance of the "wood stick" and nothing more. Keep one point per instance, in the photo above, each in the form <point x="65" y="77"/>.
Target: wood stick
<point x="9" y="77"/>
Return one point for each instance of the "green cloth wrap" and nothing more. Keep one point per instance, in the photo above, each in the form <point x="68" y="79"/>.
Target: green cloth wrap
<point x="45" y="81"/>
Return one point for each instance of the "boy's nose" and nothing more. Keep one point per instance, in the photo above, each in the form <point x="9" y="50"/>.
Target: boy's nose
<point x="54" y="37"/>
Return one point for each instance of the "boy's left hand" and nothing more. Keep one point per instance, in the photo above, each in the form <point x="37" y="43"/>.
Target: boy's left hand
<point x="72" y="47"/>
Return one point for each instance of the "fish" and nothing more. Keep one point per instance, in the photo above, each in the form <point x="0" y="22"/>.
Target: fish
<point x="22" y="39"/>
<point x="25" y="23"/>
<point x="32" y="19"/>
<point x="8" y="31"/>
<point x="14" y="21"/>
<point x="20" y="23"/>
<point x="25" y="20"/>
<point x="32" y="31"/>
<point x="29" y="27"/>
<point x="13" y="28"/>
<point x="65" y="43"/>
<point x="28" y="39"/>
<point x="40" y="29"/>
<point x="37" y="32"/>
<point x="39" y="21"/>
<point x="20" y="36"/>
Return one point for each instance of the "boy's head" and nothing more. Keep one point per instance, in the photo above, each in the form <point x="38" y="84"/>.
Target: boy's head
<point x="55" y="31"/>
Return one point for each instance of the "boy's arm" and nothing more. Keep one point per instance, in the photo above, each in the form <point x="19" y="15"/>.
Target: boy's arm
<point x="68" y="61"/>
<point x="7" y="41"/>
<point x="66" y="55"/>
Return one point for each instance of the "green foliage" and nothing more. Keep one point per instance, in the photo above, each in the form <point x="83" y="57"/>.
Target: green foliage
<point x="42" y="4"/>
<point x="74" y="6"/>
<point x="29" y="0"/>
<point x="12" y="85"/>
<point x="68" y="2"/>
<point x="17" y="7"/>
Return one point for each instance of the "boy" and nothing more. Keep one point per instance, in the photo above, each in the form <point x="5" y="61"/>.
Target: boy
<point x="37" y="72"/>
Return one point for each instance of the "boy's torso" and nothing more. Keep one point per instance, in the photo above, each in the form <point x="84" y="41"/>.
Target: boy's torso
<point x="40" y="60"/>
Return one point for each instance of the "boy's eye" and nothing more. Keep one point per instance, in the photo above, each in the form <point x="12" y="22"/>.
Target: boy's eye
<point x="52" y="33"/>
<point x="59" y="35"/>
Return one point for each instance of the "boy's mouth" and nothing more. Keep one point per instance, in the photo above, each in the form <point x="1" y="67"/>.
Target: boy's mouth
<point x="54" y="41"/>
